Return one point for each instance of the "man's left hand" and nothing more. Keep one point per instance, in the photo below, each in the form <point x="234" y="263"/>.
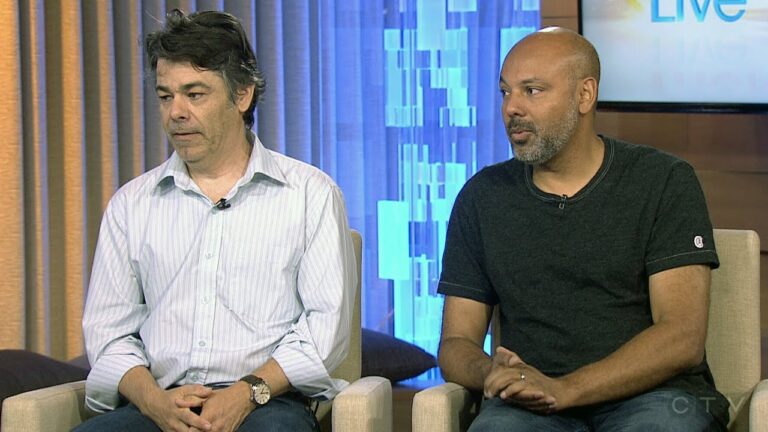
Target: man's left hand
<point x="518" y="383"/>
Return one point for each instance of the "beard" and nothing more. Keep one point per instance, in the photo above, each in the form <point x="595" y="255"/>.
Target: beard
<point x="546" y="141"/>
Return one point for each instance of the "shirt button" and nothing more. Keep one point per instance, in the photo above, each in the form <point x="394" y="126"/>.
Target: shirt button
<point x="205" y="300"/>
<point x="208" y="255"/>
<point x="201" y="343"/>
<point x="193" y="377"/>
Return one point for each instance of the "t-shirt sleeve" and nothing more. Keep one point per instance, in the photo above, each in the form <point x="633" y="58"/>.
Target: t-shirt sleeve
<point x="682" y="232"/>
<point x="463" y="274"/>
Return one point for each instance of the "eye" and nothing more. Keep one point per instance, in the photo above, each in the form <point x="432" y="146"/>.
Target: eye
<point x="504" y="92"/>
<point x="195" y="95"/>
<point x="164" y="97"/>
<point x="532" y="91"/>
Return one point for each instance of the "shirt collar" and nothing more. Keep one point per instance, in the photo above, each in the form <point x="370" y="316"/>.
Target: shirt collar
<point x="261" y="162"/>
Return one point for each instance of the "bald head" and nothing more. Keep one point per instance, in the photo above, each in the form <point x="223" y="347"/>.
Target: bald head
<point x="558" y="45"/>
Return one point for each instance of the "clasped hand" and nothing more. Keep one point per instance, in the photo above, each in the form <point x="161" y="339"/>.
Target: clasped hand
<point x="518" y="383"/>
<point x="219" y="410"/>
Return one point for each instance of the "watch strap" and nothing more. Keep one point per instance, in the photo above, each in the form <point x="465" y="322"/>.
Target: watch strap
<point x="252" y="380"/>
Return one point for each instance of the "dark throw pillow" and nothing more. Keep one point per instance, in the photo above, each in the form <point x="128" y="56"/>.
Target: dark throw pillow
<point x="22" y="371"/>
<point x="392" y="358"/>
<point x="81" y="362"/>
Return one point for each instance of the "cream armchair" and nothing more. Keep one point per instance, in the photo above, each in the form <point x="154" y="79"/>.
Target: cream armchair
<point x="364" y="406"/>
<point x="733" y="347"/>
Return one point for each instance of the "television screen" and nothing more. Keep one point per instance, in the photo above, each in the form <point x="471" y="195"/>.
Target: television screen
<point x="680" y="55"/>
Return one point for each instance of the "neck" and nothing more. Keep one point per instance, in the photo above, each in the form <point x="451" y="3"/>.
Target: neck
<point x="216" y="177"/>
<point x="233" y="162"/>
<point x="571" y="169"/>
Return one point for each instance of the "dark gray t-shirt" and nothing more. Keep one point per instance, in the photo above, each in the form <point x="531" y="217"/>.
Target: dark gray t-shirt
<point x="570" y="275"/>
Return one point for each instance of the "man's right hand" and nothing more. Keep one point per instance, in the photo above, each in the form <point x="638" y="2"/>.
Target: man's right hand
<point x="169" y="409"/>
<point x="172" y="411"/>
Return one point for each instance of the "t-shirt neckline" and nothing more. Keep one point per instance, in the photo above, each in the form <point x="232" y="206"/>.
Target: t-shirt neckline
<point x="593" y="182"/>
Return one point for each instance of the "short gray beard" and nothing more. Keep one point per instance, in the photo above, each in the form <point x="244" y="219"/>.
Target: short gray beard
<point x="547" y="142"/>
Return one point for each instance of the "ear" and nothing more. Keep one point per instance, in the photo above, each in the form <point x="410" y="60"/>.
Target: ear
<point x="587" y="95"/>
<point x="244" y="97"/>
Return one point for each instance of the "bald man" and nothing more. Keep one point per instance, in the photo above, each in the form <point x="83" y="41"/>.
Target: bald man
<point x="597" y="253"/>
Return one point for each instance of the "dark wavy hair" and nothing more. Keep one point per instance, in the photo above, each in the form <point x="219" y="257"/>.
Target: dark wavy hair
<point x="209" y="40"/>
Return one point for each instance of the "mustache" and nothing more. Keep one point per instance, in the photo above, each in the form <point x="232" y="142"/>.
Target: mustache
<point x="518" y="125"/>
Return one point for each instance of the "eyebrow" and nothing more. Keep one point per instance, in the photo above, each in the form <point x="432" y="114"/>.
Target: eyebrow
<point x="184" y="88"/>
<point x="526" y="81"/>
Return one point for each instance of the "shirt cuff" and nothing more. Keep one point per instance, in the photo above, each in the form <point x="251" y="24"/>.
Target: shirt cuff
<point x="298" y="358"/>
<point x="101" y="386"/>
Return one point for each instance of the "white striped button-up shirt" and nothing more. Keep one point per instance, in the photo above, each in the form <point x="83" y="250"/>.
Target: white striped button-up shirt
<point x="205" y="295"/>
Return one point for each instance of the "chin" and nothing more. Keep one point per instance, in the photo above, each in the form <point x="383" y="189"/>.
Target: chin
<point x="186" y="155"/>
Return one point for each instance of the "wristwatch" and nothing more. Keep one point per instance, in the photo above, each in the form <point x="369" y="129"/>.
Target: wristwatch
<point x="260" y="391"/>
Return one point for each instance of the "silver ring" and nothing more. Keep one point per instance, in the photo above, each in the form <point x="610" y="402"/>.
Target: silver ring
<point x="522" y="377"/>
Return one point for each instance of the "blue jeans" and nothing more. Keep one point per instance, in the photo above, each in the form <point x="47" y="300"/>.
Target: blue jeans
<point x="658" y="410"/>
<point x="286" y="413"/>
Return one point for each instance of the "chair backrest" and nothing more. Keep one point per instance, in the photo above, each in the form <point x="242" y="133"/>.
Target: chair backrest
<point x="349" y="369"/>
<point x="733" y="338"/>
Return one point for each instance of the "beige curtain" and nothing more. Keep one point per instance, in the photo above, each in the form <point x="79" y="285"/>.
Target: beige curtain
<point x="72" y="126"/>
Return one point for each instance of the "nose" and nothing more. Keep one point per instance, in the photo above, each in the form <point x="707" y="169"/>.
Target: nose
<point x="179" y="110"/>
<point x="511" y="106"/>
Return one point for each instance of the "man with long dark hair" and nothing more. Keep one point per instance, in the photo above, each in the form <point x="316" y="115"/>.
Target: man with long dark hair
<point x="223" y="280"/>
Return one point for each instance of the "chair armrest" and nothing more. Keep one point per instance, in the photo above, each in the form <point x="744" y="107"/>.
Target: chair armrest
<point x="448" y="407"/>
<point x="364" y="406"/>
<point x="56" y="408"/>
<point x="758" y="408"/>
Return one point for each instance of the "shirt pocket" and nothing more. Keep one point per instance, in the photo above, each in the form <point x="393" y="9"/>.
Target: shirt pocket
<point x="261" y="292"/>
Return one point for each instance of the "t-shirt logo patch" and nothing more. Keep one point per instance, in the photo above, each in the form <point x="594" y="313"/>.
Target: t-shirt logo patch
<point x="698" y="241"/>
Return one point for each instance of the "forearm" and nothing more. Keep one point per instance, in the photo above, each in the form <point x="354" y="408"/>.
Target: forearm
<point x="304" y="356"/>
<point x="647" y="360"/>
<point x="273" y="375"/>
<point x="140" y="387"/>
<point x="464" y="362"/>
<point x="674" y="343"/>
<point x="108" y="367"/>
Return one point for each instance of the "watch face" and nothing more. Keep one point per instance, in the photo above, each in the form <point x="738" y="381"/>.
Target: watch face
<point x="261" y="394"/>
<point x="260" y="391"/>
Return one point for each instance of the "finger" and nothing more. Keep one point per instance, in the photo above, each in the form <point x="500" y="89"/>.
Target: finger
<point x="199" y="391"/>
<point x="500" y="357"/>
<point x="178" y="425"/>
<point x="195" y="421"/>
<point x="540" y="404"/>
<point x="499" y="380"/>
<point x="530" y="398"/>
<point x="518" y="391"/>
<point x="494" y="382"/>
<point x="503" y="377"/>
<point x="544" y="409"/>
<point x="189" y="402"/>
<point x="507" y="357"/>
<point x="193" y="390"/>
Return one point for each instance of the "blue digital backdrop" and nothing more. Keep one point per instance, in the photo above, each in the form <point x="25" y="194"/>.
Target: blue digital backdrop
<point x="442" y="116"/>
<point x="397" y="100"/>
